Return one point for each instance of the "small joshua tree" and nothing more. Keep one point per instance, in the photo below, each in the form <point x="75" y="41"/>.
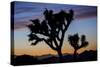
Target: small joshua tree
<point x="53" y="27"/>
<point x="74" y="42"/>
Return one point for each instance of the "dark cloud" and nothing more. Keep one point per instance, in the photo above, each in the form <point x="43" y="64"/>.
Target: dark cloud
<point x="20" y="24"/>
<point x="88" y="14"/>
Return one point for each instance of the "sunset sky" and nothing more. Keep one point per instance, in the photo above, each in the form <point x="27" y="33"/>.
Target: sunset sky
<point x="85" y="22"/>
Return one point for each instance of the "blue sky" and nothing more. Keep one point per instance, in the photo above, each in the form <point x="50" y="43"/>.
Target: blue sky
<point x="27" y="10"/>
<point x="85" y="22"/>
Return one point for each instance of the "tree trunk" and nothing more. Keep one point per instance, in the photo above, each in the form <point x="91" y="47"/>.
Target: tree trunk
<point x="60" y="55"/>
<point x="75" y="54"/>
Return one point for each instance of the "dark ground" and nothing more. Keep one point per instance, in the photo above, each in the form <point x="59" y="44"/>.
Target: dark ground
<point x="45" y="59"/>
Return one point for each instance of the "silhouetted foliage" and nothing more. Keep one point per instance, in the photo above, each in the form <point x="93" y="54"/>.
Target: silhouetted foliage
<point x="52" y="26"/>
<point x="74" y="42"/>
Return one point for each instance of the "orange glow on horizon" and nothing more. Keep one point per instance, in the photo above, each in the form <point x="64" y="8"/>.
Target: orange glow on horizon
<point x="46" y="50"/>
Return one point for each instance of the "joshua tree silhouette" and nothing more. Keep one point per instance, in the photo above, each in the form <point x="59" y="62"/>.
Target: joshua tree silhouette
<point x="53" y="27"/>
<point x="74" y="42"/>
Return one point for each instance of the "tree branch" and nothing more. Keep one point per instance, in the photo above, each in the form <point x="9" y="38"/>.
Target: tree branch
<point x="50" y="45"/>
<point x="55" y="42"/>
<point x="58" y="38"/>
<point x="63" y="34"/>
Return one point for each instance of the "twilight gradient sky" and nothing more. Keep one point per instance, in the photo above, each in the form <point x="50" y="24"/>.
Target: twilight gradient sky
<point x="85" y="22"/>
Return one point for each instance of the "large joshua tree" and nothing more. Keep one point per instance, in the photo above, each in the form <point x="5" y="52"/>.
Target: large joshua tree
<point x="52" y="28"/>
<point x="74" y="42"/>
